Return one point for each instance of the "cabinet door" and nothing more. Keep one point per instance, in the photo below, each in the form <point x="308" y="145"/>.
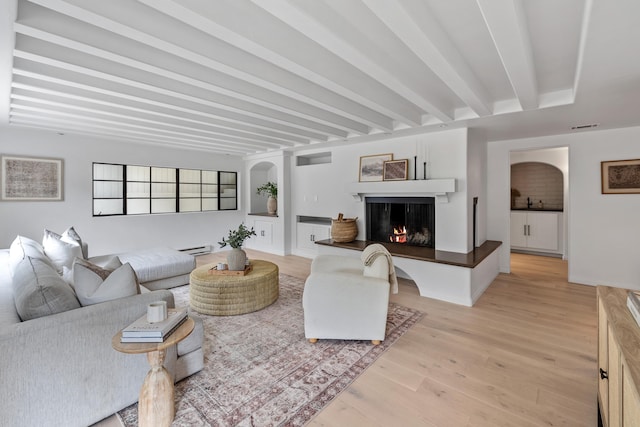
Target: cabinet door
<point x="304" y="236"/>
<point x="518" y="229"/>
<point x="615" y="382"/>
<point x="321" y="232"/>
<point x="603" y="362"/>
<point x="264" y="231"/>
<point x="542" y="231"/>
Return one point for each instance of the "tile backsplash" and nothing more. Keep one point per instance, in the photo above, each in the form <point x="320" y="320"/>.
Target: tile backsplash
<point x="538" y="181"/>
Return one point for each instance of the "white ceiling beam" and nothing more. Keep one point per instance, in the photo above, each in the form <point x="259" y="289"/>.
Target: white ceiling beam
<point x="507" y="24"/>
<point x="314" y="20"/>
<point x="94" y="66"/>
<point x="88" y="109"/>
<point x="184" y="76"/>
<point x="195" y="46"/>
<point x="172" y="103"/>
<point x="248" y="27"/>
<point x="416" y="26"/>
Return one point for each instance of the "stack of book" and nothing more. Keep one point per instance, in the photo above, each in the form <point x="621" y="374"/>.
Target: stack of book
<point x="633" y="303"/>
<point x="143" y="331"/>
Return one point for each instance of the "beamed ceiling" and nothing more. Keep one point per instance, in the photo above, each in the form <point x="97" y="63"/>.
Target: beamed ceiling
<point x="242" y="76"/>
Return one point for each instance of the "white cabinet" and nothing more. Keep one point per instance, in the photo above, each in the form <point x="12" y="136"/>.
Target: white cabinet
<point x="264" y="233"/>
<point x="307" y="234"/>
<point x="536" y="230"/>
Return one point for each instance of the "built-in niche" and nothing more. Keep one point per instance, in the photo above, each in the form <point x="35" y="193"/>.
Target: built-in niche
<point x="260" y="174"/>
<point x="536" y="185"/>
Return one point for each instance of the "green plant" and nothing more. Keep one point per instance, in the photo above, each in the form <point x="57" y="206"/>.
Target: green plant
<point x="269" y="188"/>
<point x="236" y="238"/>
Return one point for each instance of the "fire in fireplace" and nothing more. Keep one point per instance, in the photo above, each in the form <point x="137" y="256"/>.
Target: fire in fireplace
<point x="406" y="220"/>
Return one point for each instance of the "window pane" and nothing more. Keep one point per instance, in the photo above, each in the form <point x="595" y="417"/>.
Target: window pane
<point x="107" y="172"/>
<point x="227" y="204"/>
<point x="190" y="175"/>
<point x="137" y="206"/>
<point x="190" y="205"/>
<point x="108" y="207"/>
<point x="209" y="177"/>
<point x="139" y="189"/>
<point x="107" y="189"/>
<point x="163" y="190"/>
<point x="138" y="173"/>
<point x="227" y="178"/>
<point x="163" y="174"/>
<point x="189" y="190"/>
<point x="209" y="204"/>
<point x="163" y="205"/>
<point x="209" y="190"/>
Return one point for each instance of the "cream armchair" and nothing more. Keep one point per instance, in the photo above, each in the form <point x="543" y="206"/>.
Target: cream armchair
<point x="348" y="297"/>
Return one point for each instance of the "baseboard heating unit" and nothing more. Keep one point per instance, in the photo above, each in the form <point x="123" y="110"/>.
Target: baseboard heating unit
<point x="198" y="250"/>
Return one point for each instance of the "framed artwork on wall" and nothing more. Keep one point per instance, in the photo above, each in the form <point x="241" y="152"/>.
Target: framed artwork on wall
<point x="372" y="167"/>
<point x="31" y="178"/>
<point x="620" y="176"/>
<point x="395" y="170"/>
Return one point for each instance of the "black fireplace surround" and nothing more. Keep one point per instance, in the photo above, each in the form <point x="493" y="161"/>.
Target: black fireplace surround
<point x="402" y="220"/>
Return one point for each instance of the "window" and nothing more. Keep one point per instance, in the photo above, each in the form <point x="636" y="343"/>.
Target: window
<point x="138" y="190"/>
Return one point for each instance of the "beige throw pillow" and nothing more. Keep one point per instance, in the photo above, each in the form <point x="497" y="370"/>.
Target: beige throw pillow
<point x="94" y="284"/>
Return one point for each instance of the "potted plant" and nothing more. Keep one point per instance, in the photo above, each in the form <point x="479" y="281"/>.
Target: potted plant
<point x="270" y="189"/>
<point x="237" y="258"/>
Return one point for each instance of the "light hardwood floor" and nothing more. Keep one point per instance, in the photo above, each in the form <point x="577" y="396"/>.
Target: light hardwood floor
<point x="524" y="355"/>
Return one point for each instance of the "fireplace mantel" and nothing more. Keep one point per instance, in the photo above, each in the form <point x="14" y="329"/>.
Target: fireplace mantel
<point x="438" y="188"/>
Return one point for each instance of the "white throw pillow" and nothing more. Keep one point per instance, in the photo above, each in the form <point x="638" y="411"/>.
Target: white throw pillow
<point x="70" y="235"/>
<point x="39" y="291"/>
<point x="23" y="247"/>
<point x="60" y="251"/>
<point x="94" y="284"/>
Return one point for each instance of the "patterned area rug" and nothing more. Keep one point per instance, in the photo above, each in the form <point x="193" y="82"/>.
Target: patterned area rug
<point x="260" y="370"/>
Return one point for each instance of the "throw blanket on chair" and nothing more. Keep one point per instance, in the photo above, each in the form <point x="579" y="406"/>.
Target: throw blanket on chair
<point x="373" y="251"/>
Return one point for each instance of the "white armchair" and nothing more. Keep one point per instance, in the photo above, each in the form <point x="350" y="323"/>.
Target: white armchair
<point x="348" y="297"/>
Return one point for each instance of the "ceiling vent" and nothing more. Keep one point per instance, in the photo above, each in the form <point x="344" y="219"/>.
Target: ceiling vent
<point x="589" y="126"/>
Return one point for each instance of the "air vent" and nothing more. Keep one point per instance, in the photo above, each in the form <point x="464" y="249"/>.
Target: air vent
<point x="589" y="126"/>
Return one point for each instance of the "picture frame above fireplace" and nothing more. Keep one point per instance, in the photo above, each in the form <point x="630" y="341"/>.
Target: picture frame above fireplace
<point x="621" y="176"/>
<point x="395" y="170"/>
<point x="372" y="167"/>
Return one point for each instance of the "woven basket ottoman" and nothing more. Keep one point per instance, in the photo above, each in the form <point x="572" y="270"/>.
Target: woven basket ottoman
<point x="226" y="295"/>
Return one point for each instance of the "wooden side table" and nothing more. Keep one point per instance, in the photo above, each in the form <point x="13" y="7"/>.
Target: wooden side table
<point x="156" y="407"/>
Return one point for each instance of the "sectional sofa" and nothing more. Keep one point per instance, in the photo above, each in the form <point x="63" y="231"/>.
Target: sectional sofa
<point x="57" y="318"/>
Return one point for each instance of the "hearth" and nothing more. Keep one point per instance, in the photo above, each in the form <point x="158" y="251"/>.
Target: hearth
<point x="402" y="220"/>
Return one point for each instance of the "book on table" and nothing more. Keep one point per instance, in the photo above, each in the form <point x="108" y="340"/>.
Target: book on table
<point x="143" y="331"/>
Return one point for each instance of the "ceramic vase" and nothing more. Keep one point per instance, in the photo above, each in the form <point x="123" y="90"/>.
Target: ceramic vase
<point x="236" y="259"/>
<point x="272" y="205"/>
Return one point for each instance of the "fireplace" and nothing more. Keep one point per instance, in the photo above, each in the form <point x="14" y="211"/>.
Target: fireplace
<point x="403" y="220"/>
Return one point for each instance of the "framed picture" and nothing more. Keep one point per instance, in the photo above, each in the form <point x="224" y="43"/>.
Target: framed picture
<point x="621" y="177"/>
<point x="395" y="170"/>
<point x="31" y="178"/>
<point x="372" y="167"/>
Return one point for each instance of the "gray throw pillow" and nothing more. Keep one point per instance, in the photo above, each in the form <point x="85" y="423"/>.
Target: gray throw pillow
<point x="38" y="290"/>
<point x="23" y="247"/>
<point x="94" y="284"/>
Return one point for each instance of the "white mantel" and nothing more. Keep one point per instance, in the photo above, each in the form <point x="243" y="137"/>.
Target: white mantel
<point x="438" y="188"/>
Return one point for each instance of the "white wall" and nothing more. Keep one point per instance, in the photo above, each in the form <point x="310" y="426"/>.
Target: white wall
<point x="319" y="189"/>
<point x="118" y="233"/>
<point x="603" y="230"/>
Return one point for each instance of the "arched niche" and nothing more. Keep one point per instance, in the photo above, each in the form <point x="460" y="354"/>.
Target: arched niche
<point x="259" y="174"/>
<point x="537" y="181"/>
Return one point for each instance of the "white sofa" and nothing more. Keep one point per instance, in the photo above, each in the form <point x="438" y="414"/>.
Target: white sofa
<point x="348" y="297"/>
<point x="60" y="369"/>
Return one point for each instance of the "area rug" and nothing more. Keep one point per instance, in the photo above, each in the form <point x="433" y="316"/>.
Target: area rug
<point x="261" y="371"/>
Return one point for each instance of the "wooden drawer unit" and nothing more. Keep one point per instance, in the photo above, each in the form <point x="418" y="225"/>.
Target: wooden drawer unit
<point x="618" y="360"/>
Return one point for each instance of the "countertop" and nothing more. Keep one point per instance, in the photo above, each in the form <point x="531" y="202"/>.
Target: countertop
<point x="536" y="209"/>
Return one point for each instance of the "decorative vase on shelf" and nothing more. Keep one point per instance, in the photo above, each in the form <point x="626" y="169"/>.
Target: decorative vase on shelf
<point x="237" y="258"/>
<point x="270" y="189"/>
<point x="272" y="205"/>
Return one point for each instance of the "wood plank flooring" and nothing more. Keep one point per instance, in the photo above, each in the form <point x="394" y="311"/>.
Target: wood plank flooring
<point x="524" y="355"/>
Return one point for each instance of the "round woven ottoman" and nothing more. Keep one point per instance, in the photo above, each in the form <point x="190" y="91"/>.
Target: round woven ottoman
<point x="226" y="295"/>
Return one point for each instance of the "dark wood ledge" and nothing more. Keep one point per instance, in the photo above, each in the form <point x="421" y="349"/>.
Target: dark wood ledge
<point x="469" y="260"/>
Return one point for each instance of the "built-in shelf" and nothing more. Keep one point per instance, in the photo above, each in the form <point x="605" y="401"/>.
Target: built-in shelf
<point x="438" y="188"/>
<point x="313" y="159"/>
<point x="316" y="220"/>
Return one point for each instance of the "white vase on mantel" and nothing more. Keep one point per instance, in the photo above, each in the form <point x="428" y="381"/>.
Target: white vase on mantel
<point x="272" y="205"/>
